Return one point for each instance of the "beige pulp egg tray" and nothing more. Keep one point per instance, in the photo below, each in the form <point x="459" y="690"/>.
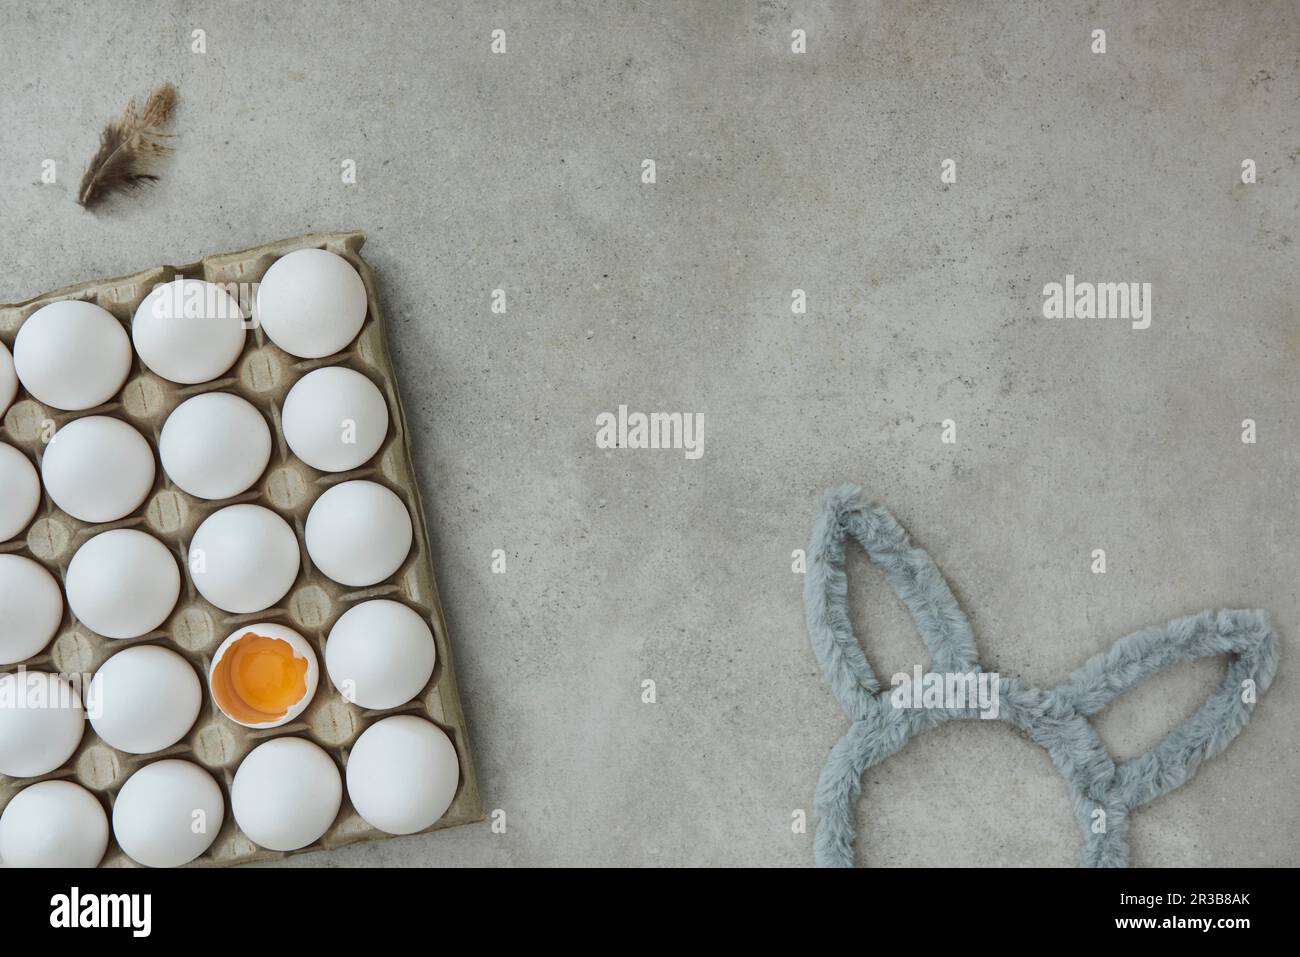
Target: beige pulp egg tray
<point x="263" y="376"/>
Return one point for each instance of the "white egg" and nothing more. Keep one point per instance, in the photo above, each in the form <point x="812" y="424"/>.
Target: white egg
<point x="168" y="813"/>
<point x="98" y="469"/>
<point x="286" y="794"/>
<point x="41" y="722"/>
<point x="244" y="558"/>
<point x="335" y="419"/>
<point x="8" y="379"/>
<point x="188" y="330"/>
<point x="215" y="445"/>
<point x="380" y="654"/>
<point x="263" y="675"/>
<point x="53" y="824"/>
<point x="20" y="491"/>
<point x="358" y="533"/>
<point x="31" y="607"/>
<point x="72" y="355"/>
<point x="144" y="699"/>
<point x="311" y="303"/>
<point x="122" y="583"/>
<point x="402" y="774"/>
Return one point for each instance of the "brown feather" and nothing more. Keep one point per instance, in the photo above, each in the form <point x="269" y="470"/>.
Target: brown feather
<point x="126" y="145"/>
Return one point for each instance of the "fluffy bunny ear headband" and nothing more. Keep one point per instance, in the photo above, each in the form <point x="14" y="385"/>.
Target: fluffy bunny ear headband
<point x="1102" y="792"/>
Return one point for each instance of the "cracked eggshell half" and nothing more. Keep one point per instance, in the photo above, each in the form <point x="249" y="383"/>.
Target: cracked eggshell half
<point x="263" y="675"/>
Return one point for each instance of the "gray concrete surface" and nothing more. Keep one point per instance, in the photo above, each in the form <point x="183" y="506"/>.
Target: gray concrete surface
<point x="775" y="171"/>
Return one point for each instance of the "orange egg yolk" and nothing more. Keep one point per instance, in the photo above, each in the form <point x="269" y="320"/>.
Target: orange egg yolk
<point x="259" y="679"/>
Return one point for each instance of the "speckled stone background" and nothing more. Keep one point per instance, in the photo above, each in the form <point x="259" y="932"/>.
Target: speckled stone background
<point x="775" y="171"/>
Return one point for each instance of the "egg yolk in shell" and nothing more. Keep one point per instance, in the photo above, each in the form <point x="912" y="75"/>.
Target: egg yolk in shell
<point x="259" y="679"/>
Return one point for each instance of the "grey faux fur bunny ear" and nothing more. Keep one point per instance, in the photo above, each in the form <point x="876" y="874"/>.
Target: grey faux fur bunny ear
<point x="1103" y="794"/>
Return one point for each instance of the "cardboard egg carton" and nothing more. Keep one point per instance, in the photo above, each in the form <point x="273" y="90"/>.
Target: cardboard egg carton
<point x="262" y="375"/>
